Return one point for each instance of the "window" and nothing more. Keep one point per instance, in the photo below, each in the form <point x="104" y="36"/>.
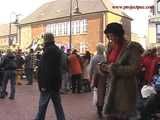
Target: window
<point x="63" y="28"/>
<point x="51" y="28"/>
<point x="81" y="26"/>
<point x="59" y="29"/>
<point x="48" y="28"/>
<point x="158" y="6"/>
<point x="74" y="28"/>
<point x="68" y="28"/>
<point x="14" y="40"/>
<point x="54" y="29"/>
<point x="77" y="26"/>
<point x="85" y="25"/>
<point x="158" y="33"/>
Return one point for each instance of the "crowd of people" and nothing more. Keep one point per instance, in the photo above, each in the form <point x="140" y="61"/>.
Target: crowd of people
<point x="75" y="77"/>
<point x="14" y="66"/>
<point x="126" y="77"/>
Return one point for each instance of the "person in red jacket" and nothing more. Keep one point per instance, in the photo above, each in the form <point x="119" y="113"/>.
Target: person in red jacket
<point x="149" y="61"/>
<point x="75" y="69"/>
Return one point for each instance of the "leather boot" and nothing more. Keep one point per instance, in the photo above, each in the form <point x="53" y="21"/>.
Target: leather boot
<point x="99" y="111"/>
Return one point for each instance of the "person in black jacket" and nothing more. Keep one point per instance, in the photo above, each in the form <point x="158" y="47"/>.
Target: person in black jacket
<point x="9" y="66"/>
<point x="49" y="78"/>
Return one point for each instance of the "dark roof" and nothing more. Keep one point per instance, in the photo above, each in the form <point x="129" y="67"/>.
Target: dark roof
<point x="4" y="29"/>
<point x="61" y="8"/>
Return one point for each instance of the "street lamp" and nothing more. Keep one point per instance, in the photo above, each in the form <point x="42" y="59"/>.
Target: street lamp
<point x="16" y="22"/>
<point x="70" y="20"/>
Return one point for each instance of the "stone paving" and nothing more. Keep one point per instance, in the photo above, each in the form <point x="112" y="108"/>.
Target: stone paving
<point x="24" y="107"/>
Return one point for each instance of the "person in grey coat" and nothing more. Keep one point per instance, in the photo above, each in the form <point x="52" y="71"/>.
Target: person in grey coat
<point x="97" y="78"/>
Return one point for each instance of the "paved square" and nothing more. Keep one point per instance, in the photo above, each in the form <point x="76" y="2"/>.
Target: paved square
<point x="24" y="107"/>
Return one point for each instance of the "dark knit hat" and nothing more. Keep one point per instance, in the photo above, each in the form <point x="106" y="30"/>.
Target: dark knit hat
<point x="114" y="28"/>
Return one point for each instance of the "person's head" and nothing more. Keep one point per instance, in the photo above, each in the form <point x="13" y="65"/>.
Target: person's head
<point x="114" y="32"/>
<point x="68" y="51"/>
<point x="31" y="51"/>
<point x="153" y="52"/>
<point x="87" y="55"/>
<point x="9" y="51"/>
<point x="63" y="48"/>
<point x="48" y="38"/>
<point x="100" y="48"/>
<point x="19" y="51"/>
<point x="75" y="51"/>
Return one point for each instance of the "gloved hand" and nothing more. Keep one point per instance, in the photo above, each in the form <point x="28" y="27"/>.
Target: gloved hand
<point x="43" y="89"/>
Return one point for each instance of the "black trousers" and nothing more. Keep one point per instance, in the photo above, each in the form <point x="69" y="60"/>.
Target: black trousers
<point x="1" y="77"/>
<point x="76" y="83"/>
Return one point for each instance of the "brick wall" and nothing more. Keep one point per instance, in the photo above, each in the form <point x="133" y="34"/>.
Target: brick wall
<point x="26" y="36"/>
<point x="37" y="30"/>
<point x="91" y="38"/>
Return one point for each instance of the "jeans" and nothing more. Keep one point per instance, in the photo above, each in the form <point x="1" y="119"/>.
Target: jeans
<point x="9" y="75"/>
<point x="43" y="103"/>
<point x="29" y="74"/>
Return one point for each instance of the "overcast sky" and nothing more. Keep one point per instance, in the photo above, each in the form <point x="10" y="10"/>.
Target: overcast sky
<point x="140" y="22"/>
<point x="8" y="9"/>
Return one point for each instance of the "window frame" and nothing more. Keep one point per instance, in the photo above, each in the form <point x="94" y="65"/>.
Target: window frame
<point x="157" y="33"/>
<point x="158" y="6"/>
<point x="63" y="28"/>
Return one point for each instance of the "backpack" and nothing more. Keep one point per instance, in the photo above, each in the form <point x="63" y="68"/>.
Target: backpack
<point x="10" y="63"/>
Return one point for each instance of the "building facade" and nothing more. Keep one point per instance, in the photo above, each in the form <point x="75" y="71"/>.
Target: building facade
<point x="87" y="28"/>
<point x="142" y="39"/>
<point x="7" y="32"/>
<point x="154" y="26"/>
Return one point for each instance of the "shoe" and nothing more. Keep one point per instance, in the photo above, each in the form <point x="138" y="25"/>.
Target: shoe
<point x="100" y="116"/>
<point x="29" y="84"/>
<point x="99" y="112"/>
<point x="11" y="98"/>
<point x="3" y="94"/>
<point x="19" y="83"/>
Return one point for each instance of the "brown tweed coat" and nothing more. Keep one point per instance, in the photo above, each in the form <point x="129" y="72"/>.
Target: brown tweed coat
<point x="121" y="81"/>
